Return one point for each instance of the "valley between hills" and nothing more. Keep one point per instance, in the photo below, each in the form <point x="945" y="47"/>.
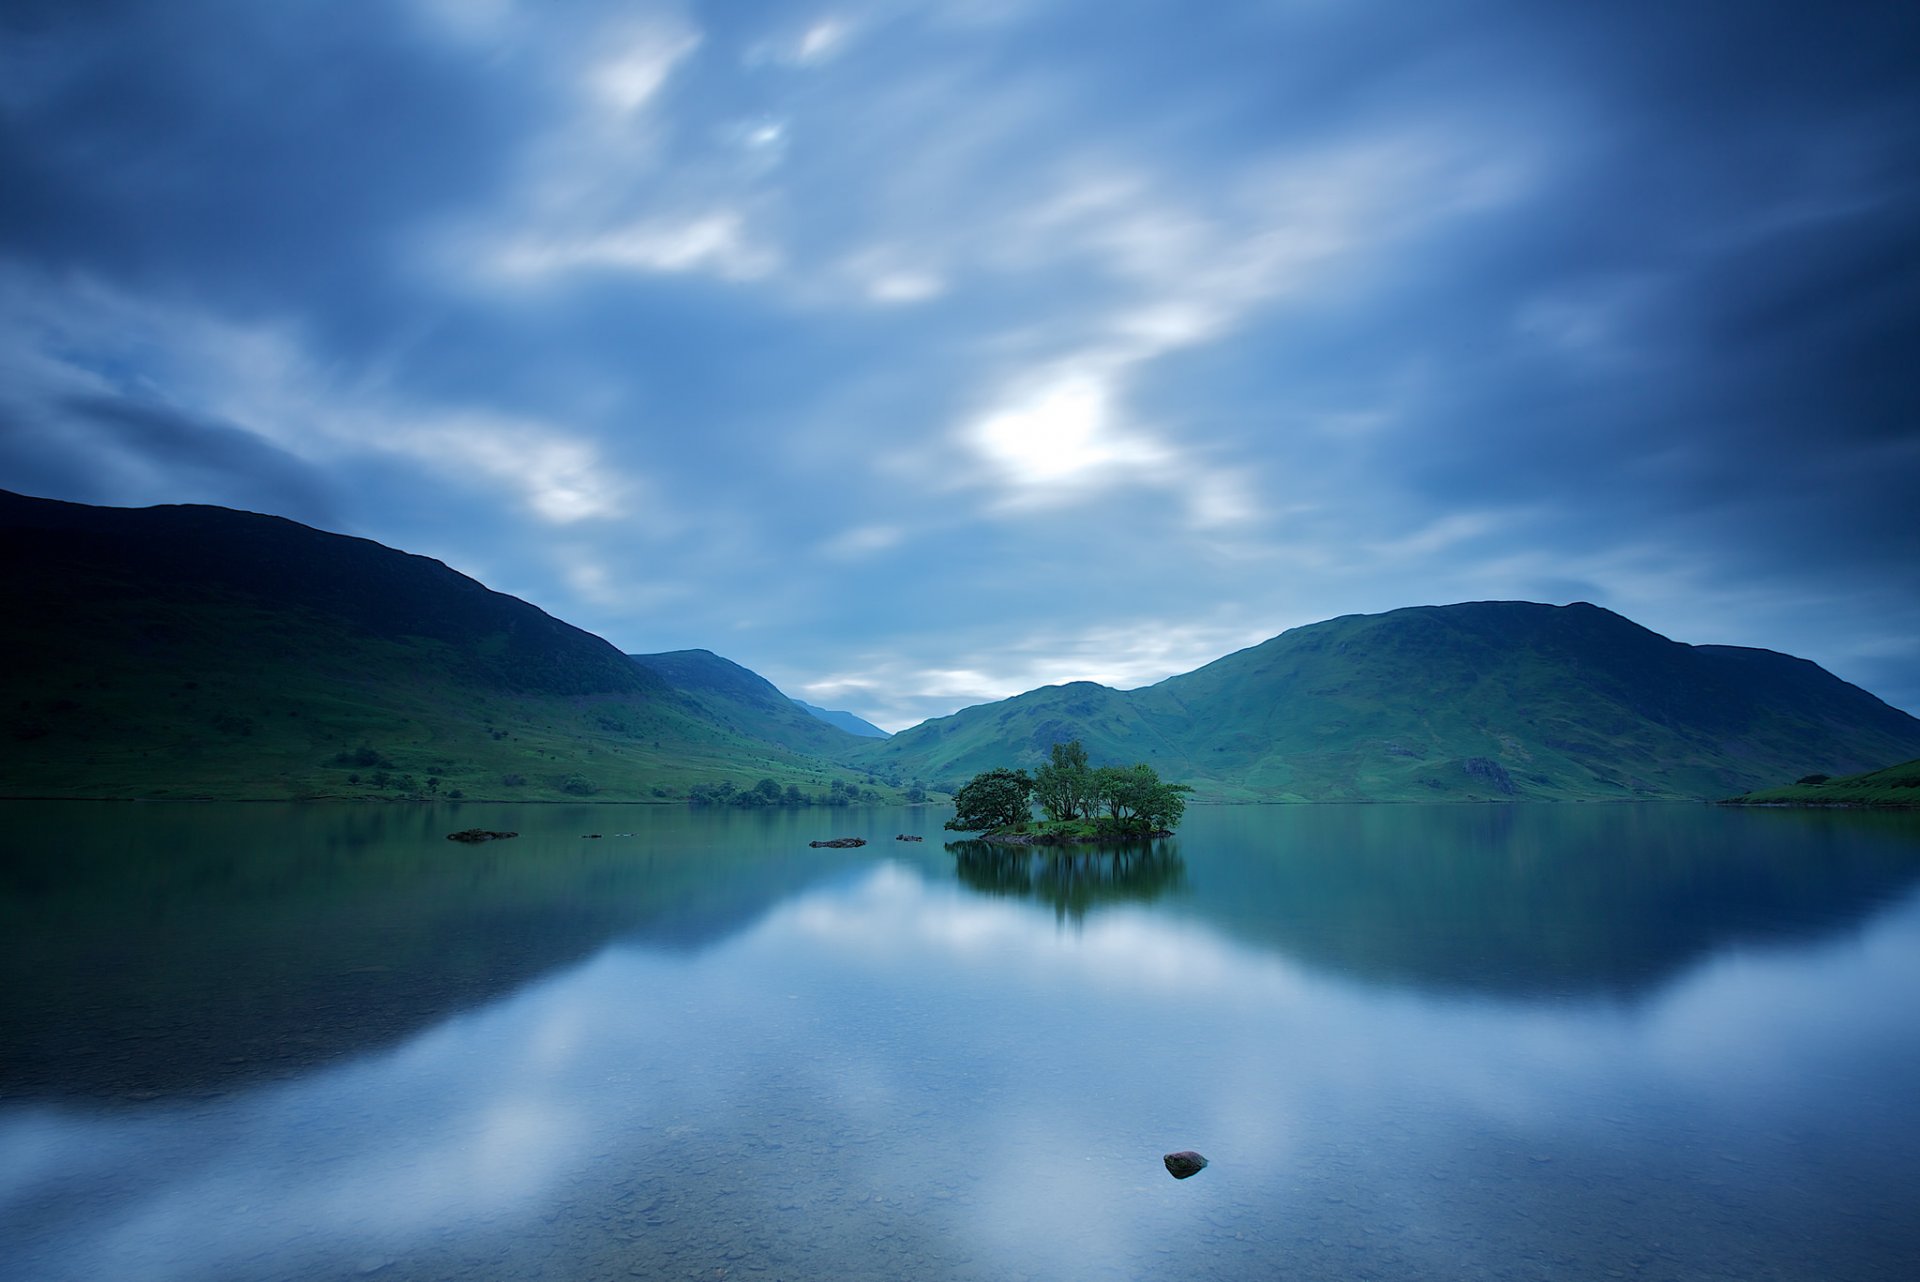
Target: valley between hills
<point x="200" y="652"/>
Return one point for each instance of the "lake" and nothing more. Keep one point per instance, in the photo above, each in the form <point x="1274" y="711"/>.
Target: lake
<point x="322" y="1042"/>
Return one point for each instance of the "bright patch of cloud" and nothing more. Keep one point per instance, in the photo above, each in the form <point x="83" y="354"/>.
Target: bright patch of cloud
<point x="821" y="41"/>
<point x="627" y="80"/>
<point x="715" y="243"/>
<point x="561" y="478"/>
<point x="1062" y="432"/>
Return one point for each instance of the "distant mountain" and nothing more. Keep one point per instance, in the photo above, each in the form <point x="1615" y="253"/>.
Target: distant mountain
<point x="1491" y="700"/>
<point x="745" y="701"/>
<point x="846" y="721"/>
<point x="198" y="651"/>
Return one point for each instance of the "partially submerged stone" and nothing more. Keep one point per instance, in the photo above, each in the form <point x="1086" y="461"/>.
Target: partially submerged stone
<point x="1184" y="1163"/>
<point x="471" y="835"/>
<point x="840" y="843"/>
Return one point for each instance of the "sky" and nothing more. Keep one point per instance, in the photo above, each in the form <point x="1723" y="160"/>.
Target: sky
<point x="918" y="354"/>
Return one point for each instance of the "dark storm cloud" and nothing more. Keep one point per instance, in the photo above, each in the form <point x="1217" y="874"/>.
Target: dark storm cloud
<point x="105" y="450"/>
<point x="251" y="154"/>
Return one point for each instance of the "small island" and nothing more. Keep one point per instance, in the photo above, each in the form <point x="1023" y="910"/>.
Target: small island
<point x="1082" y="803"/>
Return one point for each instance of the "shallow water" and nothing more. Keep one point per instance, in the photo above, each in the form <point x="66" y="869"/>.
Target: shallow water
<point x="269" y="1042"/>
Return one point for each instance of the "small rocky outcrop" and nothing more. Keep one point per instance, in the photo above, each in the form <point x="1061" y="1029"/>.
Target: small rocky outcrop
<point x="1184" y="1163"/>
<point x="1491" y="773"/>
<point x="906" y="837"/>
<point x="840" y="843"/>
<point x="473" y="836"/>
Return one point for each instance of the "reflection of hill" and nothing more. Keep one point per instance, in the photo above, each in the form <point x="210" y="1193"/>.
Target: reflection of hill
<point x="1073" y="879"/>
<point x="1537" y="901"/>
<point x="158" y="950"/>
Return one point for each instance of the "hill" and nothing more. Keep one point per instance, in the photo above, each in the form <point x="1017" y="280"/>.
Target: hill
<point x="846" y="721"/>
<point x="746" y="702"/>
<point x="1484" y="700"/>
<point x="1895" y="787"/>
<point x="189" y="651"/>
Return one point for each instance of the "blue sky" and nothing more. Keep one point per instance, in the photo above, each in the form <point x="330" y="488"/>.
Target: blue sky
<point x="915" y="355"/>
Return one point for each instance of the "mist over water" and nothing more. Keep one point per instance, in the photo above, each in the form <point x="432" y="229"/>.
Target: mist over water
<point x="322" y="1042"/>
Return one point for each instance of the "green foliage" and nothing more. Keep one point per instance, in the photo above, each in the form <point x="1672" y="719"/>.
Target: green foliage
<point x="1134" y="798"/>
<point x="1136" y="803"/>
<point x="1064" y="787"/>
<point x="997" y="798"/>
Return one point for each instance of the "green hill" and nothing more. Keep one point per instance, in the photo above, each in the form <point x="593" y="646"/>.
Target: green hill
<point x="744" y="701"/>
<point x="1896" y="787"/>
<point x="200" y="652"/>
<point x="1485" y="700"/>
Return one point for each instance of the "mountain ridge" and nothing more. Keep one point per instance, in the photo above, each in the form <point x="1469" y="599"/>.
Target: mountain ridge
<point x="1471" y="701"/>
<point x="852" y="724"/>
<point x="187" y="650"/>
<point x="195" y="651"/>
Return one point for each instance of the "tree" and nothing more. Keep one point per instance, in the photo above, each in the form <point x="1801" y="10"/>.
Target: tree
<point x="1136" y="799"/>
<point x="1064" y="787"/>
<point x="992" y="799"/>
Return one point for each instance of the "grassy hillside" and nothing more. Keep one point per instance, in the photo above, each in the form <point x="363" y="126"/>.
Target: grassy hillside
<point x="1895" y="787"/>
<point x="200" y="652"/>
<point x="742" y="700"/>
<point x="1481" y="701"/>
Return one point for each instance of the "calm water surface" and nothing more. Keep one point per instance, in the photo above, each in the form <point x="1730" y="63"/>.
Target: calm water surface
<point x="264" y="1042"/>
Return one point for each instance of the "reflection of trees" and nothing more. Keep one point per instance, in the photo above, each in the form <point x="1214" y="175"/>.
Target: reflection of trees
<point x="1073" y="879"/>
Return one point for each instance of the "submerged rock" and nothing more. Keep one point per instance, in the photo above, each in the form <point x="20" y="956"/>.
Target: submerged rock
<point x="840" y="843"/>
<point x="471" y="835"/>
<point x="1184" y="1163"/>
<point x="904" y="837"/>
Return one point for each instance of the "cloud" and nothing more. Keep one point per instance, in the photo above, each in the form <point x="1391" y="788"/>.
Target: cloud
<point x="1110" y="313"/>
<point x="715" y="243"/>
<point x="1060" y="434"/>
<point x="276" y="420"/>
<point x="894" y="691"/>
<point x="627" y="79"/>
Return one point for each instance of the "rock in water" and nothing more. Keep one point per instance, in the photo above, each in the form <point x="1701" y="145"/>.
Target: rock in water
<point x="1184" y="1163"/>
<point x="841" y="843"/>
<point x="472" y="835"/>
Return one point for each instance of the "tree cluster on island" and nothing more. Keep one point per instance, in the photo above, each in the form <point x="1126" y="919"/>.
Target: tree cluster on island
<point x="1081" y="802"/>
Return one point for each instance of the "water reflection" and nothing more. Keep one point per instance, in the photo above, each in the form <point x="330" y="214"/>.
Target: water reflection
<point x="888" y="1074"/>
<point x="1072" y="879"/>
<point x="1538" y="901"/>
<point x="157" y="950"/>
